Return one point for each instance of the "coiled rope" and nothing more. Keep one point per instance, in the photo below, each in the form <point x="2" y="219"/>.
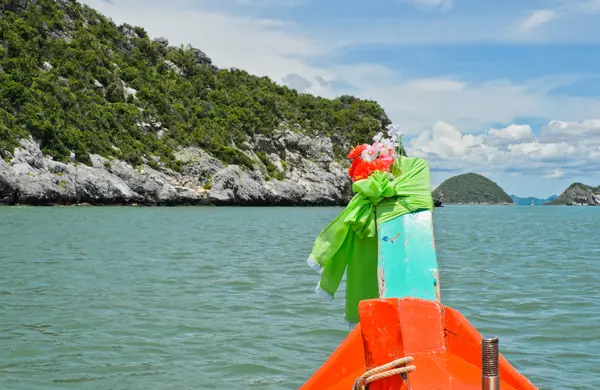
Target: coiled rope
<point x="384" y="371"/>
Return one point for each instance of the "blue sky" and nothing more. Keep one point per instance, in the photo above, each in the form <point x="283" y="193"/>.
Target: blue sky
<point x="509" y="89"/>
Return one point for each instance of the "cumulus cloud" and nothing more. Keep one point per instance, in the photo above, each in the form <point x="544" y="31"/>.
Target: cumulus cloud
<point x="511" y="149"/>
<point x="557" y="174"/>
<point x="564" y="130"/>
<point x="510" y="134"/>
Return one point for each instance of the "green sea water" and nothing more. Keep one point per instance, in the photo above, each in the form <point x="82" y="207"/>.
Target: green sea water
<point x="221" y="298"/>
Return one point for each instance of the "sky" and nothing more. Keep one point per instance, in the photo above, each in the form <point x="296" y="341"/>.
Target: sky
<point x="506" y="88"/>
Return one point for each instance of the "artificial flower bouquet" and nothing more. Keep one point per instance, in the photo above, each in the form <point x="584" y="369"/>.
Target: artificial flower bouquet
<point x="379" y="156"/>
<point x="387" y="185"/>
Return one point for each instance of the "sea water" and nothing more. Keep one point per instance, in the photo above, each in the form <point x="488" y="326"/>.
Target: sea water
<point x="222" y="298"/>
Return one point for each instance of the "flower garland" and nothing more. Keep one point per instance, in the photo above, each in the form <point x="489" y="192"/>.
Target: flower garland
<point x="379" y="156"/>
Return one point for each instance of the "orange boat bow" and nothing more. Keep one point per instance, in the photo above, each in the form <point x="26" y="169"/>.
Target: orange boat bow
<point x="446" y="349"/>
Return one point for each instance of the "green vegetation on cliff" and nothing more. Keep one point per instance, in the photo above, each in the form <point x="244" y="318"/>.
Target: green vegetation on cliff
<point x="78" y="83"/>
<point x="471" y="188"/>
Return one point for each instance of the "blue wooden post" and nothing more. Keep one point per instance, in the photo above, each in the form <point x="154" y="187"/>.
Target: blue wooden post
<point x="407" y="264"/>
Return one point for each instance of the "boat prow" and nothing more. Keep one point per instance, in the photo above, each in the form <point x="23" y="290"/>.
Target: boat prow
<point x="446" y="350"/>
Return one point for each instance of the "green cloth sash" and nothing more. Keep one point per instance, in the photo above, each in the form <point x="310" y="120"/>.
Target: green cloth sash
<point x="351" y="239"/>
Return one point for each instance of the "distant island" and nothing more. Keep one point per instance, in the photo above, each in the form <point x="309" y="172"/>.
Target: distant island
<point x="531" y="200"/>
<point x="470" y="188"/>
<point x="578" y="194"/>
<point x="95" y="113"/>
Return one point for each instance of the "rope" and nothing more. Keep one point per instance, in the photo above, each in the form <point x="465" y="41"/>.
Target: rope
<point x="385" y="371"/>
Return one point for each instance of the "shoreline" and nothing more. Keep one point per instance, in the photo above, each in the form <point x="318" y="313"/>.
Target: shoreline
<point x="181" y="204"/>
<point x="479" y="204"/>
<point x="169" y="205"/>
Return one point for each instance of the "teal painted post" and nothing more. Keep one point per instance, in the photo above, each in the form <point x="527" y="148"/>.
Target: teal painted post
<point x="407" y="264"/>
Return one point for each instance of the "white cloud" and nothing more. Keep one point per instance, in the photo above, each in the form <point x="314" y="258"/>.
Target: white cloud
<point x="565" y="130"/>
<point x="447" y="148"/>
<point x="543" y="151"/>
<point x="557" y="174"/>
<point x="538" y="18"/>
<point x="510" y="134"/>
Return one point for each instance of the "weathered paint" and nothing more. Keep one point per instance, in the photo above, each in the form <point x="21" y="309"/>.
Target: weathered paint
<point x="407" y="264"/>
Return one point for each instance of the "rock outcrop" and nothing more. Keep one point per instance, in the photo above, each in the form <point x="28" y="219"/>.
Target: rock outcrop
<point x="308" y="173"/>
<point x="578" y="194"/>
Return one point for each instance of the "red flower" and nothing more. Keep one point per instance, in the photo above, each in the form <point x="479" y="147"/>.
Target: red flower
<point x="355" y="163"/>
<point x="362" y="171"/>
<point x="355" y="152"/>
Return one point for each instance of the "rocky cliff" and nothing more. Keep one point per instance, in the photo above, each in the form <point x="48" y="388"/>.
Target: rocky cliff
<point x="308" y="176"/>
<point x="578" y="194"/>
<point x="92" y="112"/>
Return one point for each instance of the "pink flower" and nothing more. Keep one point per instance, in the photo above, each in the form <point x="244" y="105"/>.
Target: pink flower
<point x="383" y="164"/>
<point x="369" y="154"/>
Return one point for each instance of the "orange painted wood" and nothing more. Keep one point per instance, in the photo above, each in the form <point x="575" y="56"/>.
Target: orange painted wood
<point x="380" y="325"/>
<point x="421" y="326"/>
<point x="464" y="341"/>
<point x="343" y="367"/>
<point x="445" y="346"/>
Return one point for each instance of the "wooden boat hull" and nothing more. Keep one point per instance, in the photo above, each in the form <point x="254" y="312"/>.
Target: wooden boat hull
<point x="446" y="349"/>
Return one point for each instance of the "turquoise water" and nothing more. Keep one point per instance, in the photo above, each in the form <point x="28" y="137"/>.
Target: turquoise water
<point x="221" y="298"/>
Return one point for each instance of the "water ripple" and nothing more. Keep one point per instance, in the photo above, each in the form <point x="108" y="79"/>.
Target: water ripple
<point x="221" y="298"/>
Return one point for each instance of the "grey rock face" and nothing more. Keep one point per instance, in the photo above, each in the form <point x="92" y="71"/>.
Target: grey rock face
<point x="231" y="185"/>
<point x="8" y="184"/>
<point x="199" y="168"/>
<point x="285" y="193"/>
<point x="201" y="57"/>
<point x="578" y="195"/>
<point x="162" y="41"/>
<point x="31" y="178"/>
<point x="305" y="165"/>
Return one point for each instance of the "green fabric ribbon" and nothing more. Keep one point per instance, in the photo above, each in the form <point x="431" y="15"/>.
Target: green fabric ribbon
<point x="350" y="241"/>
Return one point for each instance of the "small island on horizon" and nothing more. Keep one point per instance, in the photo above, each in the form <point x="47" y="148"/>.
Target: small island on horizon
<point x="476" y="189"/>
<point x="470" y="188"/>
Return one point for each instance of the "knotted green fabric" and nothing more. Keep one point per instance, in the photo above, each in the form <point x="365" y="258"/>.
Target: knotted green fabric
<point x="351" y="239"/>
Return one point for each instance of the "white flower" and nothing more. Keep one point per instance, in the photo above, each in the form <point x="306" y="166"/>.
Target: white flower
<point x="378" y="137"/>
<point x="388" y="143"/>
<point x="394" y="132"/>
<point x="369" y="154"/>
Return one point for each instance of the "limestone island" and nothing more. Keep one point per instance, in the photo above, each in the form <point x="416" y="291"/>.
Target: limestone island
<point x="471" y="188"/>
<point x="98" y="113"/>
